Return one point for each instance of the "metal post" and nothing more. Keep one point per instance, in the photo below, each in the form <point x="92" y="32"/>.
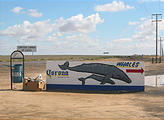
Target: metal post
<point x="11" y="73"/>
<point x="152" y="60"/>
<point x="23" y="68"/>
<point x="156" y="81"/>
<point x="156" y="38"/>
<point x="161" y="48"/>
<point x="156" y="20"/>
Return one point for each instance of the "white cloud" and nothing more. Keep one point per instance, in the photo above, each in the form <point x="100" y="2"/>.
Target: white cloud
<point x="6" y="46"/>
<point x="142" y="19"/>
<point x="84" y="40"/>
<point x="79" y="43"/>
<point x="55" y="38"/>
<point x="121" y="40"/>
<point x="118" y="48"/>
<point x="58" y="34"/>
<point x="30" y="12"/>
<point x="133" y="23"/>
<point x="161" y="25"/>
<point x="75" y="40"/>
<point x="28" y="31"/>
<point x="79" y="23"/>
<point x="145" y="47"/>
<point x="52" y="31"/>
<point x="144" y="37"/>
<point x="32" y="31"/>
<point x="151" y="0"/>
<point x="141" y="42"/>
<point x="113" y="7"/>
<point x="17" y="9"/>
<point x="34" y="13"/>
<point x="145" y="31"/>
<point x="1" y="23"/>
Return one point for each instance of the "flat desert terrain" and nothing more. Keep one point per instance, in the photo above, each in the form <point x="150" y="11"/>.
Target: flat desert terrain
<point x="69" y="105"/>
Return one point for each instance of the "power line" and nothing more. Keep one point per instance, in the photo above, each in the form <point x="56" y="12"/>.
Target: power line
<point x="156" y="20"/>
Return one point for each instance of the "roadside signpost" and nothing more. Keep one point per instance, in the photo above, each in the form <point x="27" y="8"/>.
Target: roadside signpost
<point x="27" y="48"/>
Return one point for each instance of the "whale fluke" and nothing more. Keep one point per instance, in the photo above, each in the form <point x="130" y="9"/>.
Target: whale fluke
<point x="64" y="66"/>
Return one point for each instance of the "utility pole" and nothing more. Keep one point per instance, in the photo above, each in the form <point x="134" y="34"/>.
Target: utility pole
<point x="160" y="58"/>
<point x="156" y="20"/>
<point x="161" y="46"/>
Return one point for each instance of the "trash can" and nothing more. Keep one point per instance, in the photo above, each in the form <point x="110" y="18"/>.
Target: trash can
<point x="17" y="73"/>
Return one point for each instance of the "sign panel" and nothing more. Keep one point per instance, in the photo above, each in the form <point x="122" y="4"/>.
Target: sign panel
<point x="103" y="75"/>
<point x="27" y="48"/>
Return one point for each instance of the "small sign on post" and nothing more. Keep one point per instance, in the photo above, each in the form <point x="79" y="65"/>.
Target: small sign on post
<point x="27" y="48"/>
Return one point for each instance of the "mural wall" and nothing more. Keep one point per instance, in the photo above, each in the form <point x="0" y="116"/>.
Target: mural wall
<point x="108" y="74"/>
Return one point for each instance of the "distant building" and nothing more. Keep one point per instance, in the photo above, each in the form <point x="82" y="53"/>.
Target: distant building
<point x="106" y="52"/>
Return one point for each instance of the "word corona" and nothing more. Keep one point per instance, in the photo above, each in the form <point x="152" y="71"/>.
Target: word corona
<point x="52" y="73"/>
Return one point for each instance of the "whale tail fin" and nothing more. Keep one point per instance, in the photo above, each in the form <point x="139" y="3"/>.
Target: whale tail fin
<point x="64" y="66"/>
<point x="82" y="80"/>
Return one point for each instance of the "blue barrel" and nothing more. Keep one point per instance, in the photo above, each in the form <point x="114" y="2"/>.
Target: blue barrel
<point x="17" y="73"/>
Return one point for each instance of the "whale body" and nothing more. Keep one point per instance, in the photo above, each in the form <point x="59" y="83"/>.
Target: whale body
<point x="100" y="72"/>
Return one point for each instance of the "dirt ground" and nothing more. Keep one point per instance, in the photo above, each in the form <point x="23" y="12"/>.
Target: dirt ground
<point x="28" y="105"/>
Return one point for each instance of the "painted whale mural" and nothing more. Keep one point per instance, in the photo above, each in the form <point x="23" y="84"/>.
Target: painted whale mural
<point x="100" y="72"/>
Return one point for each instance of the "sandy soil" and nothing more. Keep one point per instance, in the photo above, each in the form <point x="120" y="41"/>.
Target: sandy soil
<point x="22" y="105"/>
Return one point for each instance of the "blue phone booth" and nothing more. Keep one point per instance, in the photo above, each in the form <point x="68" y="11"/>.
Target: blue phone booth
<point x="17" y="70"/>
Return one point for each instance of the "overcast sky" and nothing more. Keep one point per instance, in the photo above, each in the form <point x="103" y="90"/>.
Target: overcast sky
<point x="80" y="27"/>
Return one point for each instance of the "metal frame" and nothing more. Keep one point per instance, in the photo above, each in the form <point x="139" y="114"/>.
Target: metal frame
<point x="11" y="60"/>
